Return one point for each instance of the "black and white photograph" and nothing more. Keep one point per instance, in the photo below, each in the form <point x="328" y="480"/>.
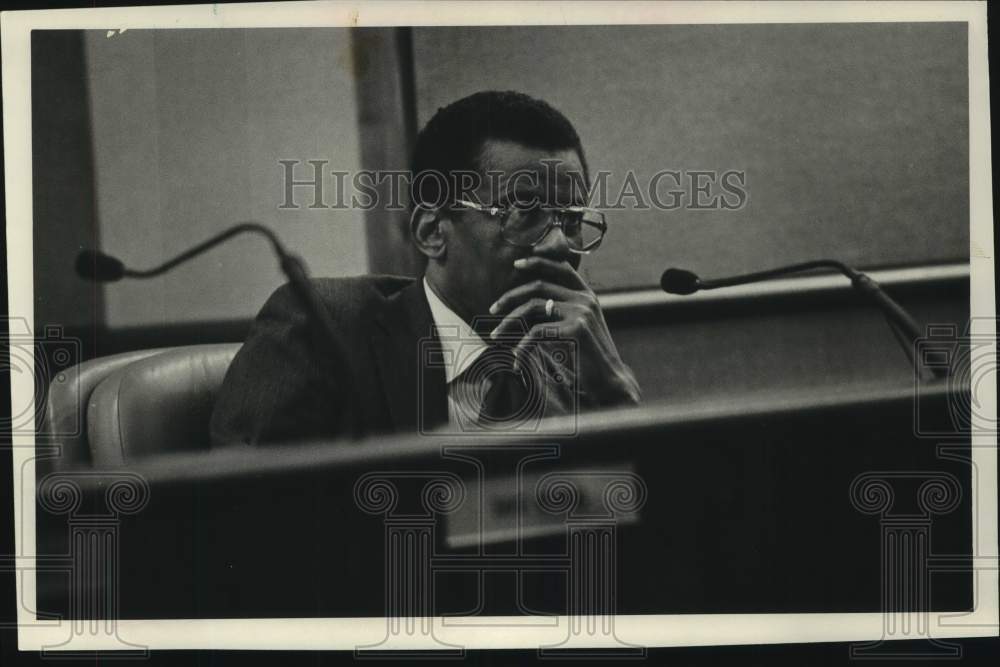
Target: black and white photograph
<point x="410" y="329"/>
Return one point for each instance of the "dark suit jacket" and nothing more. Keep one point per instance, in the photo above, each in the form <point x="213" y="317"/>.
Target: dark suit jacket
<point x="279" y="386"/>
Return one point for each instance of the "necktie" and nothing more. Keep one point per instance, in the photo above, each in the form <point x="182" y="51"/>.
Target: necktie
<point x="505" y="394"/>
<point x="498" y="397"/>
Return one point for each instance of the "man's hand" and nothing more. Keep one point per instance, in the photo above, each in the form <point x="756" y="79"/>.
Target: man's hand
<point x="603" y="378"/>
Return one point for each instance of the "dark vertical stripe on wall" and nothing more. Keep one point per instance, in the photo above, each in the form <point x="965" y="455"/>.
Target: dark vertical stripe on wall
<point x="68" y="311"/>
<point x="63" y="190"/>
<point x="408" y="84"/>
<point x="383" y="70"/>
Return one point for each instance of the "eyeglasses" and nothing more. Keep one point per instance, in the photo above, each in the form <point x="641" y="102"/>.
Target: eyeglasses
<point x="525" y="227"/>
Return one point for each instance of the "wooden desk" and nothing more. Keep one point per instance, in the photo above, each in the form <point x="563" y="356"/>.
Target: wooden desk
<point x="746" y="506"/>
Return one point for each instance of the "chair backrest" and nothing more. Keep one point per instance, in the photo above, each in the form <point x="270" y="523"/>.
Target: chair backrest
<point x="162" y="403"/>
<point x="66" y="403"/>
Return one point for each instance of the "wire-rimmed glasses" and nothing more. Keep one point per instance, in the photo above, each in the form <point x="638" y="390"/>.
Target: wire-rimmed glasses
<point x="526" y="226"/>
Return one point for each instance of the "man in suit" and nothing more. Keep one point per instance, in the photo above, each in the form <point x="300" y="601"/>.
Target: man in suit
<point x="501" y="329"/>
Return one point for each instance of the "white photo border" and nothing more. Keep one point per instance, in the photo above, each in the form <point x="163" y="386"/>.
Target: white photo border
<point x="349" y="633"/>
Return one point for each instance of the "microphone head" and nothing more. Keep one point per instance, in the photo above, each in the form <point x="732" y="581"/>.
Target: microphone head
<point x="679" y="281"/>
<point x="98" y="267"/>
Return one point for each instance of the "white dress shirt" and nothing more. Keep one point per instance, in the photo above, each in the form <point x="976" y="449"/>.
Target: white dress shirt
<point x="460" y="346"/>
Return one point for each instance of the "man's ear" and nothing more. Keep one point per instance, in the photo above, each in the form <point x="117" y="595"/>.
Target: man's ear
<point x="428" y="232"/>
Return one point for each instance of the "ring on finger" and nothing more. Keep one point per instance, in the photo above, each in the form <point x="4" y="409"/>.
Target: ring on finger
<point x="550" y="306"/>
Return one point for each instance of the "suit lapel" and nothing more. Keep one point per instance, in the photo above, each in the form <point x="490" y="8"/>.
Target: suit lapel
<point x="404" y="342"/>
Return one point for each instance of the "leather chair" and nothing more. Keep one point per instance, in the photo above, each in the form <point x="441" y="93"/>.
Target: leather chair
<point x="64" y="422"/>
<point x="159" y="404"/>
<point x="116" y="408"/>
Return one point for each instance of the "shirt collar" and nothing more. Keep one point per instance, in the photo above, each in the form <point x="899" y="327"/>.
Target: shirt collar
<point x="460" y="345"/>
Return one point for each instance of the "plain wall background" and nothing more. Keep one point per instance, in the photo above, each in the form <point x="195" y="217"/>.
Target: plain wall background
<point x="854" y="137"/>
<point x="188" y="127"/>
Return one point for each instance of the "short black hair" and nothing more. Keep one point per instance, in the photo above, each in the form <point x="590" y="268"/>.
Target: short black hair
<point x="453" y="138"/>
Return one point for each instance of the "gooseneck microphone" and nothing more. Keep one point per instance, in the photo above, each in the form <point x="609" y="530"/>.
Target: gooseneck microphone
<point x="904" y="327"/>
<point x="98" y="267"/>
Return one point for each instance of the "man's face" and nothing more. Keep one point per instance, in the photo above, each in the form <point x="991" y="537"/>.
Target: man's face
<point x="480" y="263"/>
